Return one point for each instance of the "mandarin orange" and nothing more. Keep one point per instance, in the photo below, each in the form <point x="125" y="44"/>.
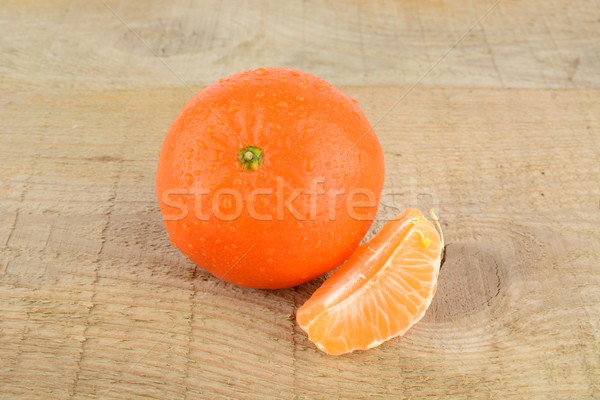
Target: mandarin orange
<point x="256" y="175"/>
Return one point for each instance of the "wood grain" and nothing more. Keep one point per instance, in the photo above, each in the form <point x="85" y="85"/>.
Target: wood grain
<point x="488" y="111"/>
<point x="108" y="43"/>
<point x="97" y="304"/>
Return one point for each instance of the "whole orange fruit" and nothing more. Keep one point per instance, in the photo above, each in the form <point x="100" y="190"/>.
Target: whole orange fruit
<point x="269" y="178"/>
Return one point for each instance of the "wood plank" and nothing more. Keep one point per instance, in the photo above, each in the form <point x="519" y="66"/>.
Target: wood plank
<point x="95" y="303"/>
<point x="116" y="43"/>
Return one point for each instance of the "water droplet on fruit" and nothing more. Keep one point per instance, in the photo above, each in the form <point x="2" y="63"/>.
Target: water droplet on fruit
<point x="320" y="87"/>
<point x="201" y="144"/>
<point x="212" y="168"/>
<point x="234" y="106"/>
<point x="260" y="94"/>
<point x="189" y="179"/>
<point x="294" y="73"/>
<point x="232" y="86"/>
<point x="354" y="101"/>
<point x="261" y="71"/>
<point x="318" y="244"/>
<point x="202" y="239"/>
<point x="282" y="104"/>
<point x="283" y="79"/>
<point x="344" y="105"/>
<point x="269" y="260"/>
<point x="218" y="241"/>
<point x="274" y="125"/>
<point x="304" y="240"/>
<point x="299" y="98"/>
<point x="189" y="154"/>
<point x="310" y="164"/>
<point x="210" y="130"/>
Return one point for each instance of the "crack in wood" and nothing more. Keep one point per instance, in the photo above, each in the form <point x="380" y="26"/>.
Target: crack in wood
<point x="111" y="206"/>
<point x="22" y="195"/>
<point x="294" y="343"/>
<point x="498" y="283"/>
<point x="188" y="355"/>
<point x="13" y="227"/>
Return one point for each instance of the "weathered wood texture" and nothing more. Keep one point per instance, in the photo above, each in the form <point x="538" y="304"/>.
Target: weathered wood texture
<point x="158" y="43"/>
<point x="95" y="303"/>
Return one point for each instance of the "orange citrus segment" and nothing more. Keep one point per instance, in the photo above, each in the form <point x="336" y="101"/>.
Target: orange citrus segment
<point x="380" y="292"/>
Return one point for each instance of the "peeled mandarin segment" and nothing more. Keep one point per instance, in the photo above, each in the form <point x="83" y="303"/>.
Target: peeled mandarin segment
<point x="380" y="292"/>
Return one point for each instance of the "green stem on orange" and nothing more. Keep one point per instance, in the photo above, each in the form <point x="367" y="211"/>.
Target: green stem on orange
<point x="250" y="158"/>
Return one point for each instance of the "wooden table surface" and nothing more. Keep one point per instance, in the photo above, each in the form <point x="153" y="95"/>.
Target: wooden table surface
<point x="487" y="110"/>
